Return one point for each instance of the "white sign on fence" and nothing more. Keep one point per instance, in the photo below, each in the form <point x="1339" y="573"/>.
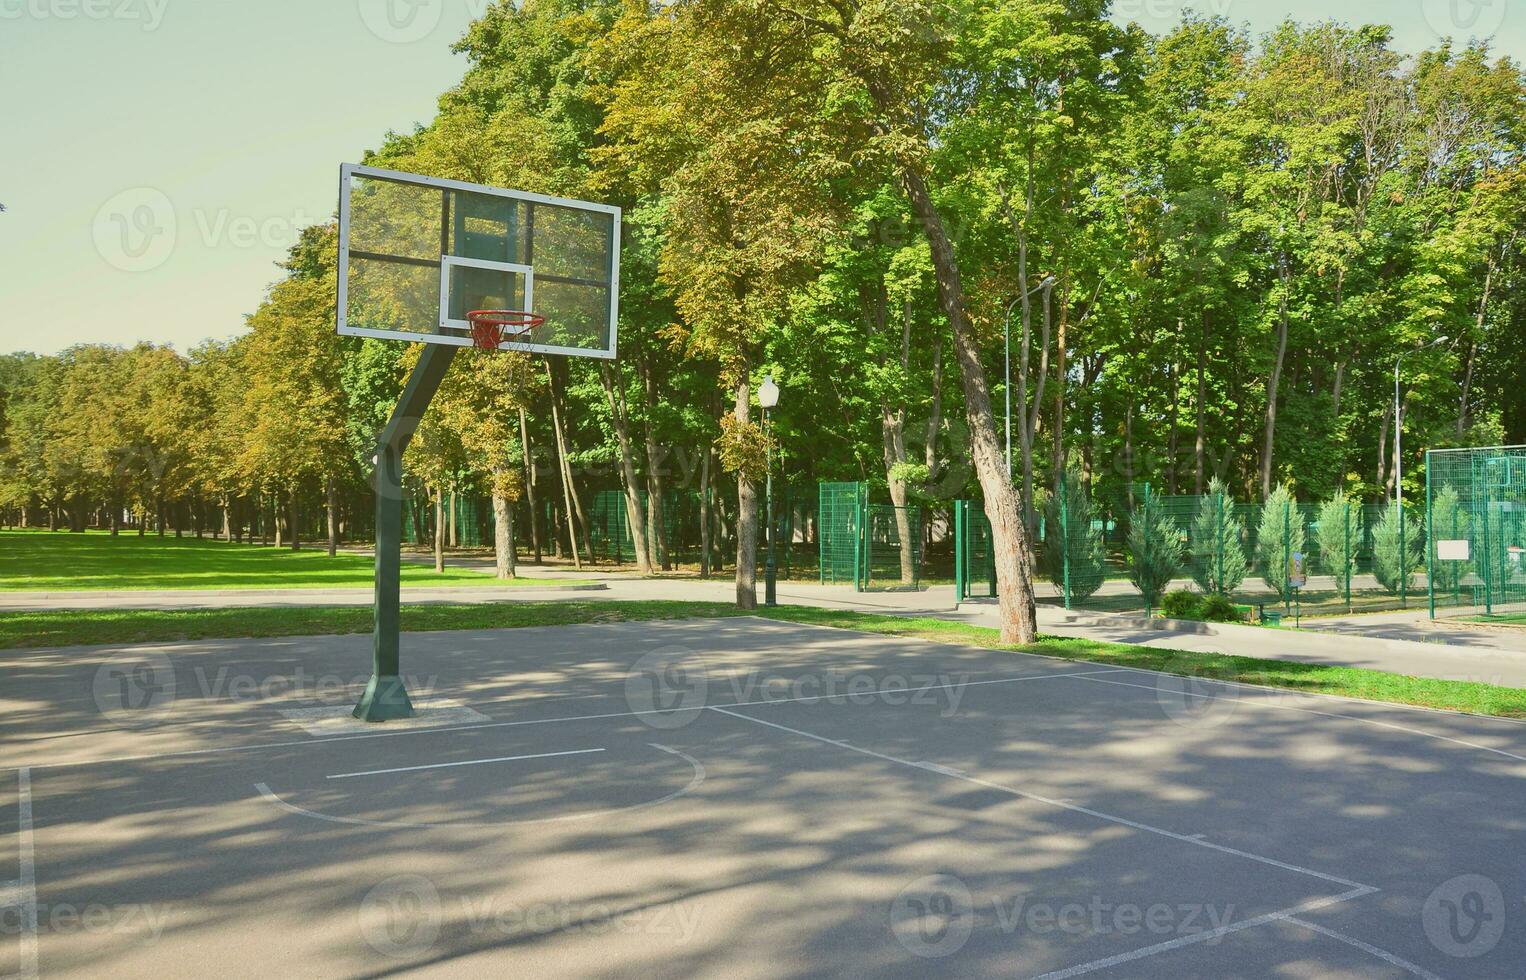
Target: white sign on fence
<point x="1453" y="551"/>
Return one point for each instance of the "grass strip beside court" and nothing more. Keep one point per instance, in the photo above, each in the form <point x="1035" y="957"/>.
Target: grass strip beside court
<point x="93" y="627"/>
<point x="40" y="561"/>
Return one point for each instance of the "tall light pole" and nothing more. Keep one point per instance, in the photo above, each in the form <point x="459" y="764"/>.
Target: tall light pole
<point x="1399" y="424"/>
<point x="1046" y="284"/>
<point x="768" y="397"/>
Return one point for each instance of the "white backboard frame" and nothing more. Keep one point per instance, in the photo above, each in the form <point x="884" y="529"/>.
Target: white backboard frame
<point x="349" y="171"/>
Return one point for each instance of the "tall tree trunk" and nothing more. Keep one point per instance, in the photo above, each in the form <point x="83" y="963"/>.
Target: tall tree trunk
<point x="296" y="523"/>
<point x="227" y="520"/>
<point x="1009" y="540"/>
<point x="706" y="518"/>
<point x="935" y="415"/>
<point x="503" y="529"/>
<point x="275" y="519"/>
<point x="893" y="443"/>
<point x="333" y="517"/>
<point x="574" y="505"/>
<point x="1201" y="407"/>
<point x="530" y="480"/>
<point x="656" y="464"/>
<point x="439" y="530"/>
<point x="1274" y="384"/>
<point x="747" y="515"/>
<point x="1388" y="415"/>
<point x="634" y="516"/>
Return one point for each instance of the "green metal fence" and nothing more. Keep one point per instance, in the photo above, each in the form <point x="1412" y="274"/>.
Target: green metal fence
<point x="974" y="562"/>
<point x="840" y="532"/>
<point x="1475" y="529"/>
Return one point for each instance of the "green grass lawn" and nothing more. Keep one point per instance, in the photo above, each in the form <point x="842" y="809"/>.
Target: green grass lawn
<point x="1516" y="619"/>
<point x="54" y="629"/>
<point x="42" y="561"/>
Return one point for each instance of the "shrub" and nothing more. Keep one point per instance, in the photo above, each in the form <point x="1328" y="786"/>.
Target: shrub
<point x="1393" y="565"/>
<point x="1279" y="538"/>
<point x="1220" y="609"/>
<point x="1339" y="534"/>
<point x="1157" y="549"/>
<point x="1181" y="604"/>
<point x="1218" y="551"/>
<point x="1070" y="517"/>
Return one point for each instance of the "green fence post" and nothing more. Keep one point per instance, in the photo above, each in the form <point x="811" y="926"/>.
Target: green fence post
<point x="1403" y="554"/>
<point x="1065" y="534"/>
<point x="961" y="588"/>
<point x="1430" y="539"/>
<point x="1349" y="557"/>
<point x="1287" y="554"/>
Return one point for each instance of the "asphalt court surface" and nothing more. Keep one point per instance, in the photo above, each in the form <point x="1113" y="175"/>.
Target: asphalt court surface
<point x="739" y="798"/>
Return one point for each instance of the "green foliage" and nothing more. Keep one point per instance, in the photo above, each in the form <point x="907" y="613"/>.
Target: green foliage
<point x="1218" y="608"/>
<point x="1449" y="521"/>
<point x="1396" y="551"/>
<point x="1279" y="537"/>
<point x="1074" y="556"/>
<point x="1182" y="604"/>
<point x="1340" y="536"/>
<point x="1219" y="564"/>
<point x="1157" y="550"/>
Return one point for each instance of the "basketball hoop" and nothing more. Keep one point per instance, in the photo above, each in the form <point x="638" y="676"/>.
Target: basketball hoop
<point x="490" y="328"/>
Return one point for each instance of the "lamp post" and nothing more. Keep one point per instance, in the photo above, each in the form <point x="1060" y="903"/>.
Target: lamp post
<point x="768" y="398"/>
<point x="1046" y="284"/>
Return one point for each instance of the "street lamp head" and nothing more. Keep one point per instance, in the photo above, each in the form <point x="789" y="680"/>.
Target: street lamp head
<point x="768" y="393"/>
<point x="1440" y="340"/>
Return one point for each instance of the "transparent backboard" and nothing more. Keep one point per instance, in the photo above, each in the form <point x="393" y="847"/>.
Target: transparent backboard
<point x="417" y="254"/>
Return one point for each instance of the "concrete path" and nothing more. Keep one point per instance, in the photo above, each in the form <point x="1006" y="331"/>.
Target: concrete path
<point x="1404" y="643"/>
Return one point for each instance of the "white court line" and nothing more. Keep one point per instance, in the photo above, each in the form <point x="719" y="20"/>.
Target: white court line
<point x="695" y="781"/>
<point x="1381" y="954"/>
<point x="326" y="739"/>
<point x="1283" y="915"/>
<point x="1075" y="808"/>
<point x="1270" y="702"/>
<point x="473" y="762"/>
<point x="27" y="884"/>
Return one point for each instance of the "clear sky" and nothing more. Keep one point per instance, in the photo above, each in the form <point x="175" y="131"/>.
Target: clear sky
<point x="159" y="156"/>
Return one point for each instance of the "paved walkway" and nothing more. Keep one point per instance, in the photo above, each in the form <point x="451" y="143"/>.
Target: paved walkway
<point x="1405" y="643"/>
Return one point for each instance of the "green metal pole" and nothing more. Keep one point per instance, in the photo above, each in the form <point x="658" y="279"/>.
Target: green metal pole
<point x="1065" y="533"/>
<point x="386" y="696"/>
<point x="1287" y="552"/>
<point x="1403" y="556"/>
<point x="1430" y="538"/>
<point x="961" y="592"/>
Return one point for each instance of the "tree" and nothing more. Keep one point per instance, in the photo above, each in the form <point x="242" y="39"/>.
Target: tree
<point x="1157" y="549"/>
<point x="1218" y="552"/>
<point x="1339" y="532"/>
<point x="1279" y="537"/>
<point x="1396" y="551"/>
<point x="1074" y="558"/>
